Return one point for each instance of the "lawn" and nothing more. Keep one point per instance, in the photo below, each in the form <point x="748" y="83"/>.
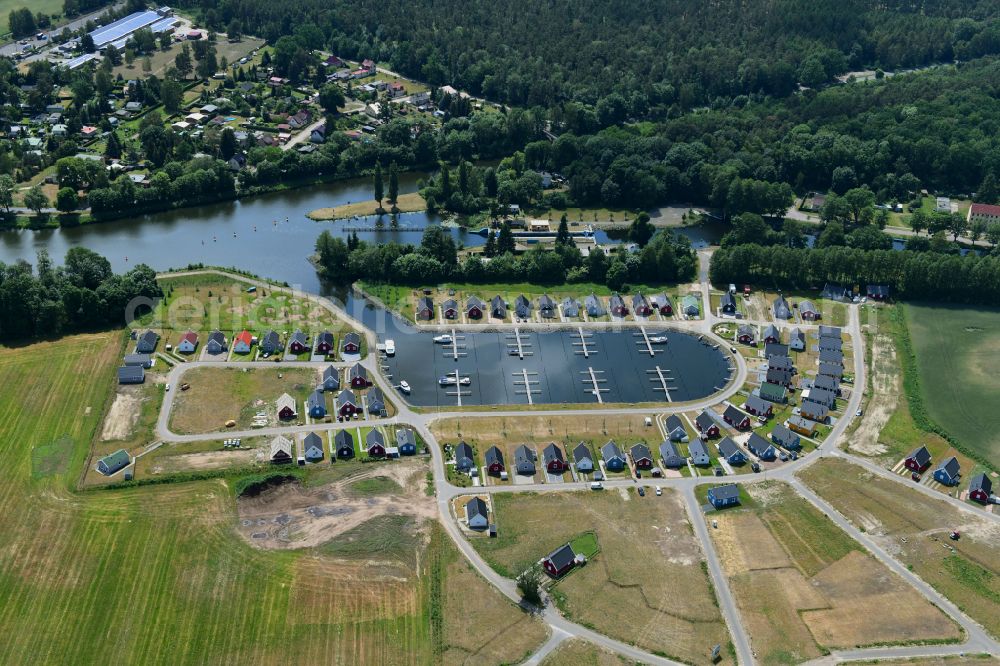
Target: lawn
<point x="595" y="429"/>
<point x="822" y="587"/>
<point x="646" y="585"/>
<point x="160" y="573"/>
<point x="958" y="359"/>
<point x="915" y="529"/>
<point x="406" y="203"/>
<point x="161" y="60"/>
<point x="578" y="652"/>
<point x="50" y="7"/>
<point x="220" y="394"/>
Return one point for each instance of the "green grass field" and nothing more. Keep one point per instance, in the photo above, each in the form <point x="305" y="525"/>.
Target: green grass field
<point x="50" y="7"/>
<point x="958" y="358"/>
<point x="159" y="574"/>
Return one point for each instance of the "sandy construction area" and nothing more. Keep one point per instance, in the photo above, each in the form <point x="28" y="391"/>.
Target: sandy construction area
<point x="886" y="386"/>
<point x="123" y="415"/>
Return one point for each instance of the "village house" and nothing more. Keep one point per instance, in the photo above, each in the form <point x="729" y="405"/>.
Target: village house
<point x="730" y="452"/>
<point x="831" y="370"/>
<point x="814" y="411"/>
<point x="830" y="356"/>
<point x="706" y="424"/>
<point x="761" y="448"/>
<point x="583" y="458"/>
<point x="425" y="309"/>
<point x="243" y="342"/>
<point x="449" y="309"/>
<point x="146" y="343"/>
<point x="524" y="461"/>
<point x="522" y="307"/>
<point x="675" y="429"/>
<point x="831" y="344"/>
<point x="642" y="457"/>
<point x="614" y="459"/>
<point x="809" y="312"/>
<point x="797" y="340"/>
<point x="980" y="489"/>
<point x="781" y="308"/>
<point x="877" y="292"/>
<point x="949" y="472"/>
<point x="138" y="360"/>
<point x="347" y="404"/>
<point x="986" y="213"/>
<point x="343" y="443"/>
<point x="699" y="453"/>
<point x="592" y="304"/>
<point x="727" y="304"/>
<point x="188" y="343"/>
<point x="827" y="383"/>
<point x="778" y="376"/>
<point x="617" y="306"/>
<point x="285" y="407"/>
<point x="919" y="460"/>
<point x="494" y="461"/>
<point x="216" y="343"/>
<point x="559" y="561"/>
<point x="350" y="343"/>
<point x="662" y="303"/>
<point x="324" y="342"/>
<point x="772" y="349"/>
<point x="316" y="405"/>
<point x="270" y="343"/>
<point x="114" y="463"/>
<point x="375" y="443"/>
<point x="641" y="306"/>
<point x="552" y="458"/>
<point x="358" y="376"/>
<point x="474" y="307"/>
<point x="547" y="307"/>
<point x="313" y="445"/>
<point x="498" y="309"/>
<point x="835" y="292"/>
<point x="406" y="441"/>
<point x="375" y="401"/>
<point x="476" y="514"/>
<point x="822" y="396"/>
<point x="570" y="307"/>
<point x="722" y="496"/>
<point x="670" y="457"/>
<point x="757" y="406"/>
<point x="464" y="457"/>
<point x="802" y="426"/>
<point x="771" y="334"/>
<point x="736" y="418"/>
<point x="746" y="334"/>
<point x="280" y="451"/>
<point x="785" y="438"/>
<point x="775" y="393"/>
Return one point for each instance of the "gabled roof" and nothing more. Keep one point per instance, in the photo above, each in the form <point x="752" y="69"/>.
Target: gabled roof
<point x="425" y="303"/>
<point x="552" y="453"/>
<point x="726" y="492"/>
<point x="639" y="300"/>
<point x="570" y="306"/>
<point x="816" y="409"/>
<point x="299" y="337"/>
<point x="772" y="332"/>
<point x="474" y="302"/>
<point x="728" y="300"/>
<point x="674" y="422"/>
<point x="493" y="456"/>
<point x="116" y="461"/>
<point x="921" y="455"/>
<point x="245" y="337"/>
<point x="131" y="374"/>
<point x="582" y="452"/>
<point x="346" y="397"/>
<point x="668" y="450"/>
<point x="951" y="466"/>
<point x="373" y="437"/>
<point x="523" y="454"/>
<point x="728" y="448"/>
<point x="780" y="363"/>
<point x="316" y="399"/>
<point x="325" y="336"/>
<point x="280" y="444"/>
<point x="593" y="305"/>
<point x="217" y="336"/>
<point x="831" y="356"/>
<point x="330" y="372"/>
<point x="772" y="392"/>
<point x="358" y="370"/>
<point x="351" y="337"/>
<point x="463" y="452"/>
<point x="285" y="400"/>
<point x="734" y="414"/>
<point x="312" y="439"/>
<point x="343" y="438"/>
<point x="775" y="349"/>
<point x="450" y="304"/>
<point x="497" y="303"/>
<point x="697" y="449"/>
<point x="375" y="399"/>
<point x="747" y="330"/>
<point x="610" y="451"/>
<point x="758" y="444"/>
<point x="475" y="507"/>
<point x="758" y="404"/>
<point x="785" y="437"/>
<point x="405" y="437"/>
<point x="660" y="300"/>
<point x="616" y="301"/>
<point x="706" y="420"/>
<point x="822" y="395"/>
<point x="981" y="482"/>
<point x="561" y="557"/>
<point x="829" y="331"/>
<point x="191" y="337"/>
<point x="546" y="303"/>
<point x="797" y="334"/>
<point x="781" y="308"/>
<point x="149" y="338"/>
<point x="831" y="369"/>
<point x="826" y="382"/>
<point x="640" y="451"/>
<point x="807" y="306"/>
<point x="802" y="423"/>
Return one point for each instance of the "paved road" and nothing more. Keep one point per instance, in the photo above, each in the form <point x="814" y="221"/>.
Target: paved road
<point x="560" y="627"/>
<point x="303" y="136"/>
<point x="12" y="48"/>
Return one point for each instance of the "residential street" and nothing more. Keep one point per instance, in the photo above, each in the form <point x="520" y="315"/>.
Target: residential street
<point x="561" y="628"/>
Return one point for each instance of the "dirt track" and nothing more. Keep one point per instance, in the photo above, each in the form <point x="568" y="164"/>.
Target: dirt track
<point x="292" y="516"/>
<point x="886" y="386"/>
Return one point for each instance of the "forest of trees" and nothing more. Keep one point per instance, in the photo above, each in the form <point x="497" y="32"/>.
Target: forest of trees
<point x="626" y="59"/>
<point x="83" y="294"/>
<point x="665" y="258"/>
<point x="933" y="276"/>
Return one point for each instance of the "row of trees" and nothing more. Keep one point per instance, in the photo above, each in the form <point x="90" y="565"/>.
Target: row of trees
<point x="665" y="258"/>
<point x="83" y="294"/>
<point x="911" y="275"/>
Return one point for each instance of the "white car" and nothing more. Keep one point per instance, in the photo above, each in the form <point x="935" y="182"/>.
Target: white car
<point x="168" y="387"/>
<point x="659" y="491"/>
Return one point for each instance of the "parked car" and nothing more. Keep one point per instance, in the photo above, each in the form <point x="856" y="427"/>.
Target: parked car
<point x="754" y="466"/>
<point x="642" y="491"/>
<point x="659" y="491"/>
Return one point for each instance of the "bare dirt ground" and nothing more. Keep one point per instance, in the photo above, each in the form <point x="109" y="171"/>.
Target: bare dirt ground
<point x="293" y="516"/>
<point x="886" y="386"/>
<point x="195" y="462"/>
<point x="123" y="415"/>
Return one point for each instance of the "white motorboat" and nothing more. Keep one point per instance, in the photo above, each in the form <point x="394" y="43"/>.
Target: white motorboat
<point x="404" y="387"/>
<point x="390" y="347"/>
<point x="451" y="380"/>
<point x="657" y="339"/>
<point x="444" y="339"/>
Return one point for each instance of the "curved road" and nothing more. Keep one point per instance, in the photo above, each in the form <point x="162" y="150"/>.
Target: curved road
<point x="978" y="640"/>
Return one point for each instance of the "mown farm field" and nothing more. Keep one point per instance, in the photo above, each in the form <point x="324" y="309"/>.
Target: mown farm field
<point x="958" y="358"/>
<point x="821" y="589"/>
<point x="160" y="575"/>
<point x="645" y="586"/>
<point x="915" y="529"/>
